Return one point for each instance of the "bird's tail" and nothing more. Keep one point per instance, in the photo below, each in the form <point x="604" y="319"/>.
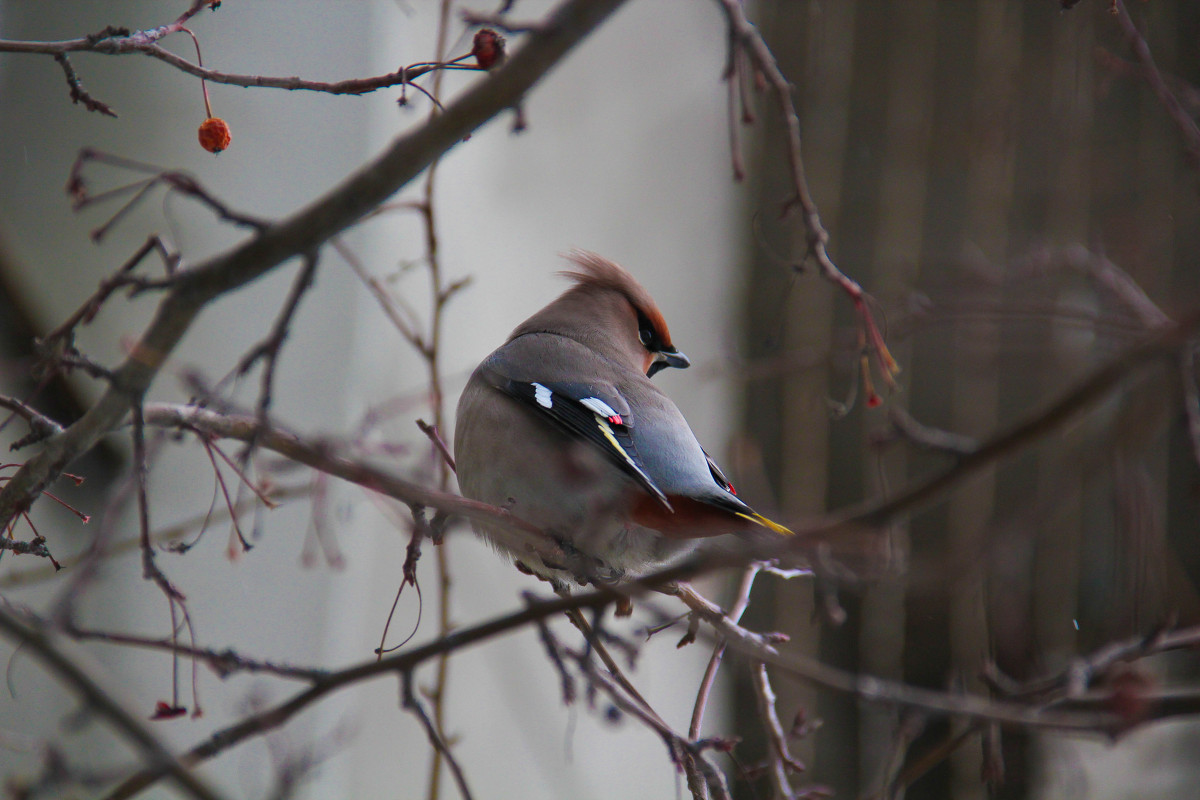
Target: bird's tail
<point x="759" y="519"/>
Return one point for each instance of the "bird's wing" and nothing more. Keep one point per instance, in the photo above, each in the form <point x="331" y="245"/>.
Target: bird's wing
<point x="592" y="413"/>
<point x="679" y="465"/>
<point x="728" y="500"/>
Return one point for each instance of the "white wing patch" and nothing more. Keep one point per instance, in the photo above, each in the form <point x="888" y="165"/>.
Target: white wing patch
<point x="543" y="396"/>
<point x="600" y="407"/>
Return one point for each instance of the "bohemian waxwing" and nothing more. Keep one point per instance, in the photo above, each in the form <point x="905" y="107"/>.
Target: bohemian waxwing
<point x="562" y="426"/>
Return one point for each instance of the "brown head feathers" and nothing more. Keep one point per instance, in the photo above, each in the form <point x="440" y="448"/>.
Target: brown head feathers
<point x="598" y="272"/>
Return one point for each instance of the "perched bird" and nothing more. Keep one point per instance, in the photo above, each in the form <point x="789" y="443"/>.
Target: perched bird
<point x="562" y="426"/>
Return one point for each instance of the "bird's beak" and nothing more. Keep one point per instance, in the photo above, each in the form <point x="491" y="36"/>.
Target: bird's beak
<point x="667" y="358"/>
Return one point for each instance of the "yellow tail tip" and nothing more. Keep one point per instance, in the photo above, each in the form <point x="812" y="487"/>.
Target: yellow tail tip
<point x="766" y="523"/>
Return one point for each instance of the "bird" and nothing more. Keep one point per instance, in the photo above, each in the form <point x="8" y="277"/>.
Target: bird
<point x="562" y="427"/>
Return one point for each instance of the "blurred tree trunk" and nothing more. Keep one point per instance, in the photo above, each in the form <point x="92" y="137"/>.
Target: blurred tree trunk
<point x="790" y="313"/>
<point x="955" y="149"/>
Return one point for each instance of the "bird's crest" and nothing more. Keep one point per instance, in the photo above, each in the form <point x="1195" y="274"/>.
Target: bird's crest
<point x="596" y="270"/>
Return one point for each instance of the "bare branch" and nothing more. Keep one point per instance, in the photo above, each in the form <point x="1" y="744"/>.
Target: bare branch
<point x="58" y="339"/>
<point x="400" y="315"/>
<point x="304" y="232"/>
<point x="779" y="759"/>
<point x="159" y="759"/>
<point x="34" y="547"/>
<point x="162" y="536"/>
<point x="879" y="690"/>
<point x="40" y="426"/>
<point x="500" y="21"/>
<point x="741" y="603"/>
<point x="223" y="662"/>
<point x="682" y="749"/>
<point x="177" y="181"/>
<point x="745" y="36"/>
<point x="268" y="350"/>
<point x="272" y="718"/>
<point x="1102" y="271"/>
<point x="1189" y="95"/>
<point x="1092" y="388"/>
<point x="115" y="41"/>
<point x="323" y="458"/>
<point x="352" y="86"/>
<point x="596" y="644"/>
<point x="78" y="93"/>
<point x="110" y="41"/>
<point x="904" y="426"/>
<point x="1084" y="671"/>
<point x="1187" y="127"/>
<point x="413" y="704"/>
<point x="438" y="442"/>
<point x="150" y="569"/>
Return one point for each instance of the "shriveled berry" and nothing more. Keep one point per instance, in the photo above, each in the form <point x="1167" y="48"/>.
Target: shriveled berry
<point x="488" y="48"/>
<point x="214" y="135"/>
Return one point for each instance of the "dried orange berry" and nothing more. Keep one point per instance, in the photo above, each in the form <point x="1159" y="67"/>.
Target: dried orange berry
<point x="488" y="48"/>
<point x="214" y="135"/>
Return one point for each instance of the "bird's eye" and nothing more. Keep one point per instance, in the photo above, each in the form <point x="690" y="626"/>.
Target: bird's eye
<point x="645" y="336"/>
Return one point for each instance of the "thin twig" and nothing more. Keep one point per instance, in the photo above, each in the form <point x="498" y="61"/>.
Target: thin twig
<point x="413" y="704"/>
<point x="120" y="41"/>
<point x="163" y="536"/>
<point x="176" y="602"/>
<point x="745" y="36"/>
<point x="1102" y="271"/>
<point x="1084" y="671"/>
<point x="948" y="442"/>
<point x="209" y="447"/>
<point x="159" y="758"/>
<point x="150" y="569"/>
<point x="554" y="653"/>
<point x="177" y="181"/>
<point x="733" y="118"/>
<point x="1186" y="126"/>
<point x="34" y="547"/>
<point x="595" y="644"/>
<point x="879" y="690"/>
<point x="397" y="311"/>
<point x="78" y="93"/>
<point x="40" y="426"/>
<point x="58" y="338"/>
<point x="271" y="718"/>
<point x="431" y="352"/>
<point x="678" y="746"/>
<point x="915" y="770"/>
<point x="1088" y="391"/>
<point x="223" y="662"/>
<point x="323" y="456"/>
<point x="779" y="757"/>
<point x="1188" y="94"/>
<point x="268" y="350"/>
<point x="740" y="604"/>
<point x="499" y="21"/>
<point x="438" y="442"/>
